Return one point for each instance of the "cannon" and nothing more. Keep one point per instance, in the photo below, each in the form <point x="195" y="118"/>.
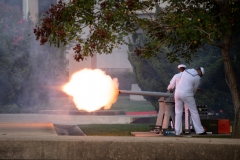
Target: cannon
<point x="147" y="93"/>
<point x="166" y="106"/>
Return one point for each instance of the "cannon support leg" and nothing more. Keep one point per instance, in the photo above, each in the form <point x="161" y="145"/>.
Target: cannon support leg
<point x="160" y="112"/>
<point x="169" y="113"/>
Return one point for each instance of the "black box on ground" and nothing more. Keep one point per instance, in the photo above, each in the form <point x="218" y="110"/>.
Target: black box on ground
<point x="168" y="132"/>
<point x="210" y="125"/>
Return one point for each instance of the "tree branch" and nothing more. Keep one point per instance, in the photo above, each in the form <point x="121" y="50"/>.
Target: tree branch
<point x="211" y="41"/>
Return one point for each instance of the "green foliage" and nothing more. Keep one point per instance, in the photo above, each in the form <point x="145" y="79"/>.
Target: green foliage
<point x="105" y="23"/>
<point x="154" y="74"/>
<point x="185" y="26"/>
<point x="214" y="90"/>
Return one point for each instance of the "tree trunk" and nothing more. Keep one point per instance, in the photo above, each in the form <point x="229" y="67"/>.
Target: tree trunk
<point x="233" y="86"/>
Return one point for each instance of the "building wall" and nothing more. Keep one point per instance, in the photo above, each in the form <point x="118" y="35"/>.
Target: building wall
<point x="33" y="9"/>
<point x="117" y="59"/>
<point x="75" y="66"/>
<point x="114" y="62"/>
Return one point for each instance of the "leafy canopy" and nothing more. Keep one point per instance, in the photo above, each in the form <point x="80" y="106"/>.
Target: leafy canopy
<point x="186" y="25"/>
<point x="99" y="26"/>
<point x="105" y="23"/>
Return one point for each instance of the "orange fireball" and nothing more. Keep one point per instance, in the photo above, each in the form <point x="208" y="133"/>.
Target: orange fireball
<point x="92" y="89"/>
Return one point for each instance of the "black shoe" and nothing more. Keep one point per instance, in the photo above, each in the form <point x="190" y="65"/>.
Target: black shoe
<point x="178" y="135"/>
<point x="204" y="133"/>
<point x="155" y="130"/>
<point x="184" y="133"/>
<point x="159" y="133"/>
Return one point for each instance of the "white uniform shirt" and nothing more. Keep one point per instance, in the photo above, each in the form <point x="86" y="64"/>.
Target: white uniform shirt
<point x="174" y="81"/>
<point x="189" y="82"/>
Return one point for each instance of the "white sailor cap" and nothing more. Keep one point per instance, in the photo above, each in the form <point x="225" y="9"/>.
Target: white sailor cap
<point x="202" y="70"/>
<point x="182" y="65"/>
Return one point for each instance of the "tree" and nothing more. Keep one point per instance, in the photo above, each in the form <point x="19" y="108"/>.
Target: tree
<point x="152" y="74"/>
<point x="13" y="52"/>
<point x="47" y="66"/>
<point x="214" y="90"/>
<point x="183" y="26"/>
<point x="26" y="67"/>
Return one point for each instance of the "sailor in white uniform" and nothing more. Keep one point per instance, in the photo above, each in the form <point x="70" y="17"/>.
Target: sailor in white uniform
<point x="173" y="83"/>
<point x="162" y="109"/>
<point x="184" y="95"/>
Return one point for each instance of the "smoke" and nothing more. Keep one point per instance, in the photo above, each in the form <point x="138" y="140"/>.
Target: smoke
<point x="26" y="67"/>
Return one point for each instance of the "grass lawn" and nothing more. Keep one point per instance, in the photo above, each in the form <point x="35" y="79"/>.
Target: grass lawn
<point x="126" y="129"/>
<point x="114" y="129"/>
<point x="125" y="104"/>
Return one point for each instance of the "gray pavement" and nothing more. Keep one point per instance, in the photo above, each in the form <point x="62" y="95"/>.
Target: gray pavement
<point x="25" y="125"/>
<point x="68" y="119"/>
<point x="32" y="136"/>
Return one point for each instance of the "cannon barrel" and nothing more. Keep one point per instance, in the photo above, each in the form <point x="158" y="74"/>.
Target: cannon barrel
<point x="146" y="93"/>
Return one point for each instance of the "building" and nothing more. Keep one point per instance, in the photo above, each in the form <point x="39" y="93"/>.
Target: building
<point x="35" y="7"/>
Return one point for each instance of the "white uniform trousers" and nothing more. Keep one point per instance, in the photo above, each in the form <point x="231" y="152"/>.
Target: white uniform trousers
<point x="188" y="120"/>
<point x="182" y="99"/>
<point x="187" y="127"/>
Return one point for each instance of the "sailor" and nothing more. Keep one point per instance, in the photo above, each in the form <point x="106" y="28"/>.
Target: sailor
<point x="184" y="95"/>
<point x="162" y="109"/>
<point x="173" y="83"/>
